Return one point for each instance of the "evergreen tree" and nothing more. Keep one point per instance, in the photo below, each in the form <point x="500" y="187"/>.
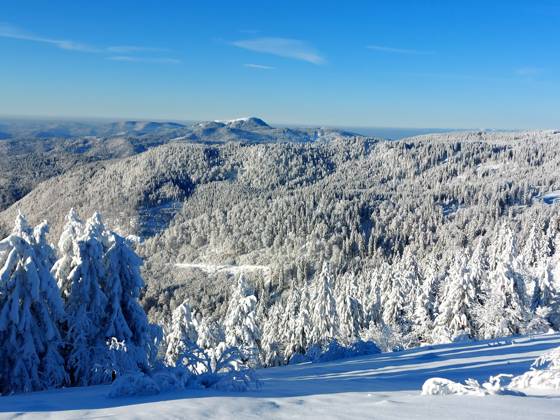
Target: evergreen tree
<point x="88" y="355"/>
<point x="72" y="230"/>
<point x="425" y="308"/>
<point x="182" y="334"/>
<point x="349" y="309"/>
<point x="504" y="311"/>
<point x="271" y="354"/>
<point x="297" y="321"/>
<point x="454" y="317"/>
<point x="125" y="319"/>
<point x="30" y="313"/>
<point x="241" y="329"/>
<point x="323" y="315"/>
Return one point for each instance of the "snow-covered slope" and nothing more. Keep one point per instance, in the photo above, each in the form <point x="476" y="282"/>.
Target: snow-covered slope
<point x="384" y="386"/>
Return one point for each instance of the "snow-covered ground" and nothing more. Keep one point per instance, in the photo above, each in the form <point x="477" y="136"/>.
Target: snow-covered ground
<point x="228" y="268"/>
<point x="383" y="386"/>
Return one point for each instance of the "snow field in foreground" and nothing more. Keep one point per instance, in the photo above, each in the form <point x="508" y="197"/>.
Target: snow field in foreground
<point x="382" y="386"/>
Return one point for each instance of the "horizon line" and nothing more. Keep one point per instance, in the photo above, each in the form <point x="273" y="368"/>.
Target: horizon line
<point x="272" y="121"/>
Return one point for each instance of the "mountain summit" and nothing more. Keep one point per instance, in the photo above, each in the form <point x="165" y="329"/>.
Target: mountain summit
<point x="247" y="123"/>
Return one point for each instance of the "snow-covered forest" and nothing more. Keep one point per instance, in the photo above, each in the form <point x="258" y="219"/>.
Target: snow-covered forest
<point x="75" y="320"/>
<point x="258" y="255"/>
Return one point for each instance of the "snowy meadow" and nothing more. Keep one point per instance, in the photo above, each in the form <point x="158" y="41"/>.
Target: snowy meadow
<point x="383" y="386"/>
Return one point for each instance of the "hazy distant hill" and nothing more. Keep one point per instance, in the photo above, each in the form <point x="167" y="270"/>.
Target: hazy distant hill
<point x="33" y="151"/>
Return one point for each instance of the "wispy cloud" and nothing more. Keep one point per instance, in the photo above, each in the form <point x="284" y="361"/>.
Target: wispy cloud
<point x="282" y="47"/>
<point x="13" y="32"/>
<point x="392" y="50"/>
<point x="528" y="71"/>
<point x="10" y="31"/>
<point x="134" y="59"/>
<point x="259" y="66"/>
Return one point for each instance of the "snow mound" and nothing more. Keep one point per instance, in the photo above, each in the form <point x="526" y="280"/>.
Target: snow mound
<point x="496" y="385"/>
<point x="544" y="373"/>
<point x="130" y="385"/>
<point x="549" y="360"/>
<point x="233" y="381"/>
<point x="442" y="386"/>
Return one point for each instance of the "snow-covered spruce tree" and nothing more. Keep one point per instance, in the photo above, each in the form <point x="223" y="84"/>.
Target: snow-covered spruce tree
<point x="478" y="268"/>
<point x="125" y="319"/>
<point x="30" y="312"/>
<point x="372" y="301"/>
<point x="454" y="317"/>
<point x="322" y="308"/>
<point x="504" y="311"/>
<point x="106" y="330"/>
<point x="72" y="230"/>
<point x="80" y="273"/>
<point x="241" y="329"/>
<point x="296" y="322"/>
<point x="536" y="248"/>
<point x="271" y="352"/>
<point x="182" y="334"/>
<point x="425" y="308"/>
<point x="210" y="333"/>
<point x="349" y="308"/>
<point x="546" y="294"/>
<point x="396" y="299"/>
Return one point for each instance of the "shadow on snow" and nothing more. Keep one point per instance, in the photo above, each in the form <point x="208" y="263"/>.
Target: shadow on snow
<point x="399" y="371"/>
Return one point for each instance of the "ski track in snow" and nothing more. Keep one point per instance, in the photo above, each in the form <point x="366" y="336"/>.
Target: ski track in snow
<point x="228" y="268"/>
<point x="383" y="386"/>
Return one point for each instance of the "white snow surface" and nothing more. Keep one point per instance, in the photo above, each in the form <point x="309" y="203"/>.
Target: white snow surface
<point x="381" y="386"/>
<point x="228" y="268"/>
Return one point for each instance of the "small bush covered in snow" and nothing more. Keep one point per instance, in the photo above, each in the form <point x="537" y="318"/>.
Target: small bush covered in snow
<point x="172" y="379"/>
<point x="442" y="386"/>
<point x="544" y="373"/>
<point x="134" y="384"/>
<point x="496" y="385"/>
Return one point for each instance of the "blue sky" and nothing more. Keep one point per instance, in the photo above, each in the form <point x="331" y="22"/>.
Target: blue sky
<point x="452" y="64"/>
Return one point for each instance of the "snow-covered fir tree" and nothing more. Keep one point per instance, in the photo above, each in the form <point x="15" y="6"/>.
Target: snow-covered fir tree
<point x="425" y="308"/>
<point x="80" y="273"/>
<point x="271" y="353"/>
<point x="30" y="313"/>
<point x="106" y="331"/>
<point x="396" y="296"/>
<point x="324" y="318"/>
<point x="297" y="321"/>
<point x="504" y="311"/>
<point x="72" y="230"/>
<point x="125" y="320"/>
<point x="454" y="317"/>
<point x="182" y="334"/>
<point x="240" y="324"/>
<point x="349" y="309"/>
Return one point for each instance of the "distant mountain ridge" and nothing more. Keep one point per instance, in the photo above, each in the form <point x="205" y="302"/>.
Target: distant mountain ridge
<point x="249" y="129"/>
<point x="34" y="151"/>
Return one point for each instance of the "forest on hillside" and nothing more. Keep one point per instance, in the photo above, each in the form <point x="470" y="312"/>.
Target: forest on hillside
<point x="428" y="239"/>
